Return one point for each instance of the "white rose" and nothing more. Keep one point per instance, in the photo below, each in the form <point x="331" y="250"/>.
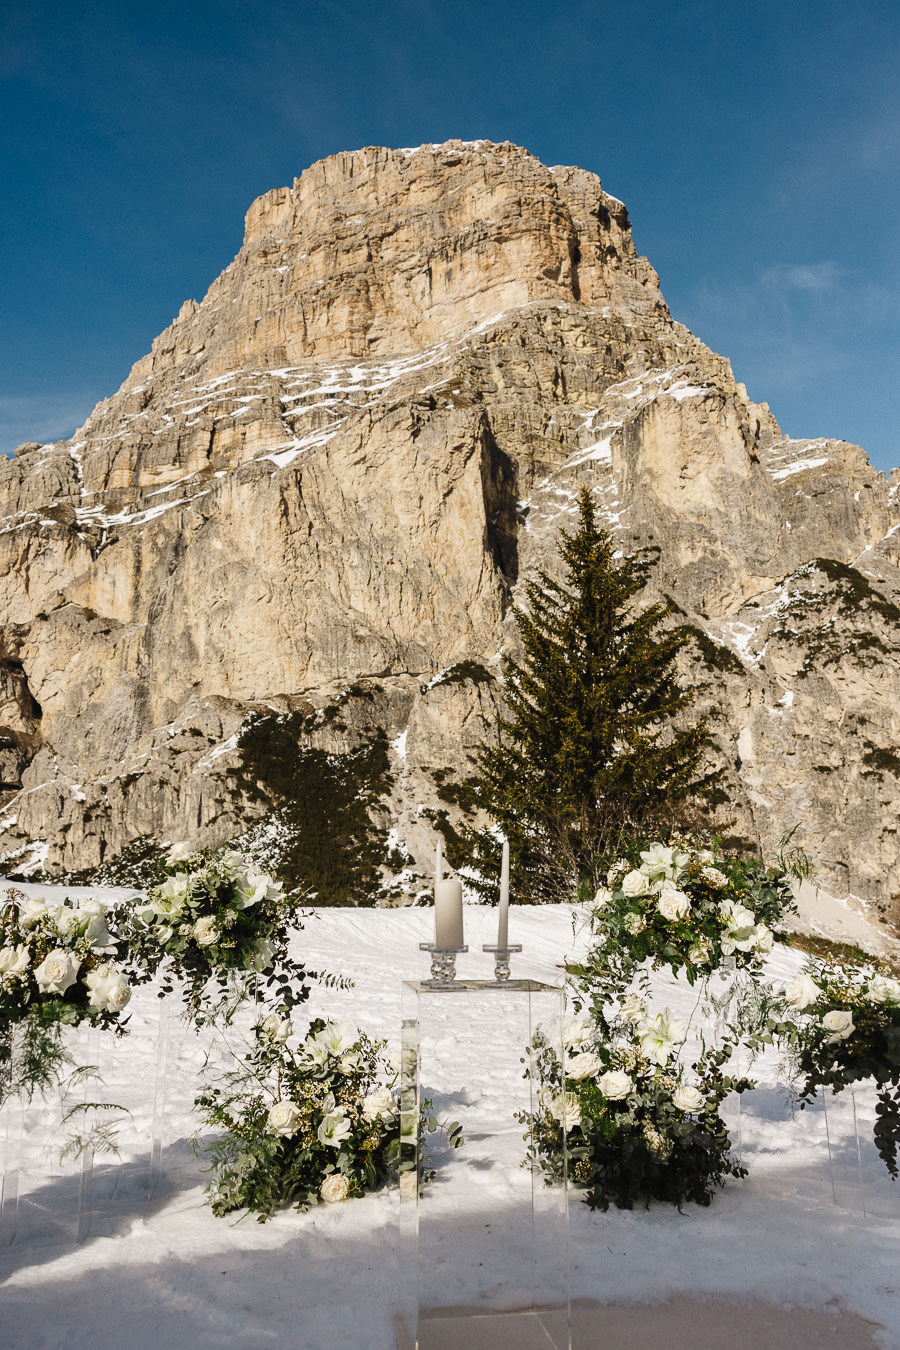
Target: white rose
<point x="763" y="940"/>
<point x="585" y="1065"/>
<point x="562" y="1106"/>
<point x="379" y="1103"/>
<point x="576" y="1031"/>
<point x="108" y="988"/>
<point x="839" y="1023"/>
<point x="801" y="991"/>
<point x="14" y="960"/>
<point x="687" y="1098"/>
<point x="603" y="897"/>
<point x="672" y="903"/>
<point x="335" y="1128"/>
<point x="205" y="931"/>
<point x="698" y="955"/>
<point x="284" y="1118"/>
<point x="615" y="1084"/>
<point x="57" y="972"/>
<point x="179" y="852"/>
<point x="65" y="919"/>
<point x="334" y="1189"/>
<point x="276" y="1028"/>
<point x="635" y="883"/>
<point x="92" y="907"/>
<point x="32" y="908"/>
<point x="713" y="877"/>
<point x="633" y="1008"/>
<point x="882" y="989"/>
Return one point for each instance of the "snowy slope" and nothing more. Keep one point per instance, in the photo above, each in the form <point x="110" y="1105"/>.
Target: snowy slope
<point x="161" y="1271"/>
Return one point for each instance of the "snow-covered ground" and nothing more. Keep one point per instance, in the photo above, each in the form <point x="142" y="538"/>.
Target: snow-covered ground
<point x="160" y="1271"/>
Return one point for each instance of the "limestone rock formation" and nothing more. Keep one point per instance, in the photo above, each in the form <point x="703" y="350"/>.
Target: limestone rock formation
<point x="335" y="471"/>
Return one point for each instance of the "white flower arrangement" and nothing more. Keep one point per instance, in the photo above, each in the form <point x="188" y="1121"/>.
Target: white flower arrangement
<point x="56" y="954"/>
<point x="839" y="1023"/>
<point x="692" y="903"/>
<point x="55" y="971"/>
<point x="648" y="1124"/>
<point x="637" y="1124"/>
<point x="214" y="917"/>
<point x="308" y="1119"/>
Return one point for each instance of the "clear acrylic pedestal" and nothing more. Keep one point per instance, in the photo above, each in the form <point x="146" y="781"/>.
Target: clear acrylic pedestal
<point x="859" y="1179"/>
<point x="46" y="1176"/>
<point x="484" y="1252"/>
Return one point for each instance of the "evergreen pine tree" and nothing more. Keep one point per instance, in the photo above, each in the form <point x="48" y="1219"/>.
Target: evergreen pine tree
<point x="591" y="746"/>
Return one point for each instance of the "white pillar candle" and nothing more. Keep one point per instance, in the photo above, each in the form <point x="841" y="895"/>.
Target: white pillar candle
<point x="503" y="929"/>
<point x="448" y="915"/>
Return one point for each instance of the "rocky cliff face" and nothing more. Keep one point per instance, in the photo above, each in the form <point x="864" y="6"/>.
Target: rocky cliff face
<point x="335" y="470"/>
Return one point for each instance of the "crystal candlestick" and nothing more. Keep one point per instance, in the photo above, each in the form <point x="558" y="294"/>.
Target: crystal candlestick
<point x="443" y="964"/>
<point x="501" y="958"/>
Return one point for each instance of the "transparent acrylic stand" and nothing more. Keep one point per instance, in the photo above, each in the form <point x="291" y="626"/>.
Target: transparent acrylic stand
<point x="46" y="1176"/>
<point x="484" y="1253"/>
<point x="859" y="1179"/>
<point x="185" y="1053"/>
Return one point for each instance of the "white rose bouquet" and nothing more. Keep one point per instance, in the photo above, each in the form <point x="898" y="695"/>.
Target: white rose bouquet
<point x="649" y="1125"/>
<point x="59" y="966"/>
<point x="841" y="1026"/>
<point x="214" y="919"/>
<point x="308" y="1118"/>
<point x="636" y="1123"/>
<point x="688" y="906"/>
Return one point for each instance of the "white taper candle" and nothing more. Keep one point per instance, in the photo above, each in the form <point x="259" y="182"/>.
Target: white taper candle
<point x="503" y="928"/>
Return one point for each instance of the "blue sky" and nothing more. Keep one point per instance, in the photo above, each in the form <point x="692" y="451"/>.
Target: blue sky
<point x="756" y="145"/>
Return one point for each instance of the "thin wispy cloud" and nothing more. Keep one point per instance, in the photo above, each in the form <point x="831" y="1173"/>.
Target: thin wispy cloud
<point x="818" y="277"/>
<point x="41" y="417"/>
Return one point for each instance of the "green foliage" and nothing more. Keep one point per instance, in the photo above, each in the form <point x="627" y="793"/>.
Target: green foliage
<point x="323" y="802"/>
<point x="220" y="926"/>
<point x="314" y="1121"/>
<point x="595" y="741"/>
<point x="849" y="1033"/>
<point x="33" y="1056"/>
<point x="640" y="1103"/>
